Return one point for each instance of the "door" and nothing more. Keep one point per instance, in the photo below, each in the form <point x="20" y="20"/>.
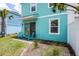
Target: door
<point x="32" y="28"/>
<point x="27" y="29"/>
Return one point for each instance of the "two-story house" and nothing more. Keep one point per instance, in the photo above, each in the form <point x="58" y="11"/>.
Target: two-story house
<point x="40" y="22"/>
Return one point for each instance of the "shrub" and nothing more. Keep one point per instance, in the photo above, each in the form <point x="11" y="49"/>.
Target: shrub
<point x="55" y="52"/>
<point x="51" y="51"/>
<point x="35" y="44"/>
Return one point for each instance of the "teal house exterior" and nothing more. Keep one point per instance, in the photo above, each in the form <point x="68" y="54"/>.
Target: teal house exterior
<point x="40" y="22"/>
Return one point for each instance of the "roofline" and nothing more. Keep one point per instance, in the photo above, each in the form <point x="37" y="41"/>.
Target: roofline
<point x="15" y="13"/>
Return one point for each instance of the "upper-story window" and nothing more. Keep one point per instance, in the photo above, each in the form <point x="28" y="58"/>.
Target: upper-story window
<point x="33" y="7"/>
<point x="50" y="5"/>
<point x="54" y="26"/>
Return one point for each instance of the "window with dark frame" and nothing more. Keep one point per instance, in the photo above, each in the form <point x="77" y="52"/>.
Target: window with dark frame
<point x="54" y="26"/>
<point x="33" y="7"/>
<point x="50" y="4"/>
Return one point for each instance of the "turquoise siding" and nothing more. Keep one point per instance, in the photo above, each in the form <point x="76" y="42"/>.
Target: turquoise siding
<point x="42" y="9"/>
<point x="42" y="24"/>
<point x="42" y="29"/>
<point x="25" y="9"/>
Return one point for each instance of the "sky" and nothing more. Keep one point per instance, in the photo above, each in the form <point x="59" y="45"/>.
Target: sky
<point x="11" y="6"/>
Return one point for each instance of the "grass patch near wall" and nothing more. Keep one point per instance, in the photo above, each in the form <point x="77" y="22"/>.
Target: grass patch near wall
<point x="10" y="47"/>
<point x="53" y="51"/>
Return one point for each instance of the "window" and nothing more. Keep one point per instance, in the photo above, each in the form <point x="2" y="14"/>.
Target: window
<point x="32" y="7"/>
<point x="50" y="5"/>
<point x="54" y="26"/>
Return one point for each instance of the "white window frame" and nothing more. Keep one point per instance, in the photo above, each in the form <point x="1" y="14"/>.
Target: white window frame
<point x="31" y="7"/>
<point x="58" y="25"/>
<point x="48" y="6"/>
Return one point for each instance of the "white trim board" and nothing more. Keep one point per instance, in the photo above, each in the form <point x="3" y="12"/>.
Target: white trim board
<point x="52" y="15"/>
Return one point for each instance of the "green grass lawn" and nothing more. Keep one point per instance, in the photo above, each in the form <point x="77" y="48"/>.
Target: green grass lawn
<point x="10" y="47"/>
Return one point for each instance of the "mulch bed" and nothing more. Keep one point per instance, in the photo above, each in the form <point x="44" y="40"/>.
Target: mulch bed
<point x="71" y="51"/>
<point x="34" y="52"/>
<point x="42" y="47"/>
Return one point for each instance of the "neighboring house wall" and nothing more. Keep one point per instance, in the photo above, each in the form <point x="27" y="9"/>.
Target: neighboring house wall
<point x="13" y="25"/>
<point x="13" y="21"/>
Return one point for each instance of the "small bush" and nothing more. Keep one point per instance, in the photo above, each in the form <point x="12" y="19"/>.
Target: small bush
<point x="35" y="44"/>
<point x="51" y="51"/>
<point x="55" y="52"/>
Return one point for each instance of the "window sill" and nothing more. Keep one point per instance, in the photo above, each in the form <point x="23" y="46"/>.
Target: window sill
<point x="54" y="33"/>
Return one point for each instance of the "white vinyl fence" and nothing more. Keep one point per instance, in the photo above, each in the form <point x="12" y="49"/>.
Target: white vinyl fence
<point x="74" y="35"/>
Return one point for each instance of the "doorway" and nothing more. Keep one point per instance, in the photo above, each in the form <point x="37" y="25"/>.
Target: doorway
<point x="33" y="28"/>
